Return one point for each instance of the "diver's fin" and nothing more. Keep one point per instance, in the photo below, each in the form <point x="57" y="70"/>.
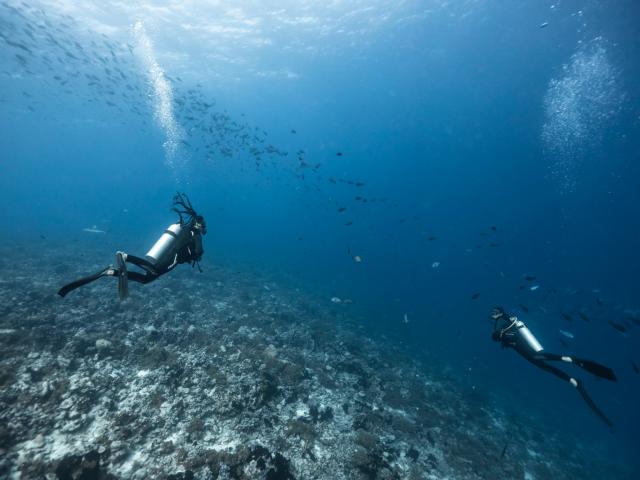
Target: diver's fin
<point x="596" y="369"/>
<point x="109" y="271"/>
<point x="592" y="405"/>
<point x="121" y="266"/>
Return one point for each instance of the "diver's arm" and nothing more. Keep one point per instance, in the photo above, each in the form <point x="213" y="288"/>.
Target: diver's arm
<point x="502" y="328"/>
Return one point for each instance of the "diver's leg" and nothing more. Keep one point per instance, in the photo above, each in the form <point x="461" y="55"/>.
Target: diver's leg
<point x="141" y="278"/>
<point x="124" y="276"/>
<point x="140" y="262"/>
<point x="551" y="356"/>
<point x="548" y="368"/>
<point x="595" y="368"/>
<point x="576" y="383"/>
<point x="107" y="272"/>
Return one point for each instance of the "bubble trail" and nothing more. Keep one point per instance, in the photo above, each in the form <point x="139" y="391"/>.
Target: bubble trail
<point x="579" y="105"/>
<point x="162" y="96"/>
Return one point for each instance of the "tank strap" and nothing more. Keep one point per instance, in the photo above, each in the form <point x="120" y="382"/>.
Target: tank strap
<point x="503" y="331"/>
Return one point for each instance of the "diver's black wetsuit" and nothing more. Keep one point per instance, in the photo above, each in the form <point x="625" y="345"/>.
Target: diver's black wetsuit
<point x="180" y="243"/>
<point x="513" y="333"/>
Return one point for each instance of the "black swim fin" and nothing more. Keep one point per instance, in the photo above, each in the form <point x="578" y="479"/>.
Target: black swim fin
<point x="109" y="271"/>
<point x="121" y="266"/>
<point x="593" y="406"/>
<point x="596" y="369"/>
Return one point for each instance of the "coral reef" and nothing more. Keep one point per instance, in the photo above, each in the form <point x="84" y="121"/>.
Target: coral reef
<point x="227" y="375"/>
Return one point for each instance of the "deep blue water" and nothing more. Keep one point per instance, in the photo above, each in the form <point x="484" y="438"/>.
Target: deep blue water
<point x="455" y="116"/>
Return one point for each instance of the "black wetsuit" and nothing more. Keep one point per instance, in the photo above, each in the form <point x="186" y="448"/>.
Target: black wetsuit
<point x="186" y="249"/>
<point x="512" y="333"/>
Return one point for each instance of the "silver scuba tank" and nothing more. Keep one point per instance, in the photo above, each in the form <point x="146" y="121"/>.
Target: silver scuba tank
<point x="164" y="246"/>
<point x="525" y="334"/>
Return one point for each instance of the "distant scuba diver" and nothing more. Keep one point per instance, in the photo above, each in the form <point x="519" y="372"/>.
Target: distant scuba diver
<point x="512" y="332"/>
<point x="180" y="243"/>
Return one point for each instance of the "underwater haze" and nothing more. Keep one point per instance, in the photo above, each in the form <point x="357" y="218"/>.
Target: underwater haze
<point x="376" y="176"/>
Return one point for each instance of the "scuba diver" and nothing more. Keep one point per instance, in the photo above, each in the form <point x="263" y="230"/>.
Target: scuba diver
<point x="180" y="243"/>
<point x="512" y="332"/>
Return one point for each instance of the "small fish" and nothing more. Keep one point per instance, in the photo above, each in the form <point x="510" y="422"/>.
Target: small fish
<point x="583" y="316"/>
<point x="356" y="258"/>
<point x="93" y="229"/>
<point x="293" y="131"/>
<point x="543" y="25"/>
<point x="431" y="238"/>
<point x="599" y="301"/>
<point x="566" y="316"/>
<point x="336" y="299"/>
<point x="348" y="224"/>
<point x="529" y="278"/>
<point x="435" y="264"/>
<point x="342" y="209"/>
<point x="475" y="295"/>
<point x="618" y="326"/>
<point x="338" y="154"/>
<point x="405" y="319"/>
<point x="635" y="367"/>
<point x="533" y="288"/>
<point x="43" y="237"/>
<point x="524" y="308"/>
<point x="494" y="228"/>
<point x="494" y="245"/>
<point x="566" y="334"/>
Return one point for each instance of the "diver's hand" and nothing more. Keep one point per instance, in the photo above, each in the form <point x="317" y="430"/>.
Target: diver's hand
<point x="497" y="312"/>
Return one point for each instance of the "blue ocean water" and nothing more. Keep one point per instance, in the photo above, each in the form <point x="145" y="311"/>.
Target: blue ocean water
<point x="469" y="153"/>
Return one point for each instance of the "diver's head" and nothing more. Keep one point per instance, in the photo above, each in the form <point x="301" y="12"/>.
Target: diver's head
<point x="200" y="224"/>
<point x="497" y="313"/>
<point x="501" y="323"/>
